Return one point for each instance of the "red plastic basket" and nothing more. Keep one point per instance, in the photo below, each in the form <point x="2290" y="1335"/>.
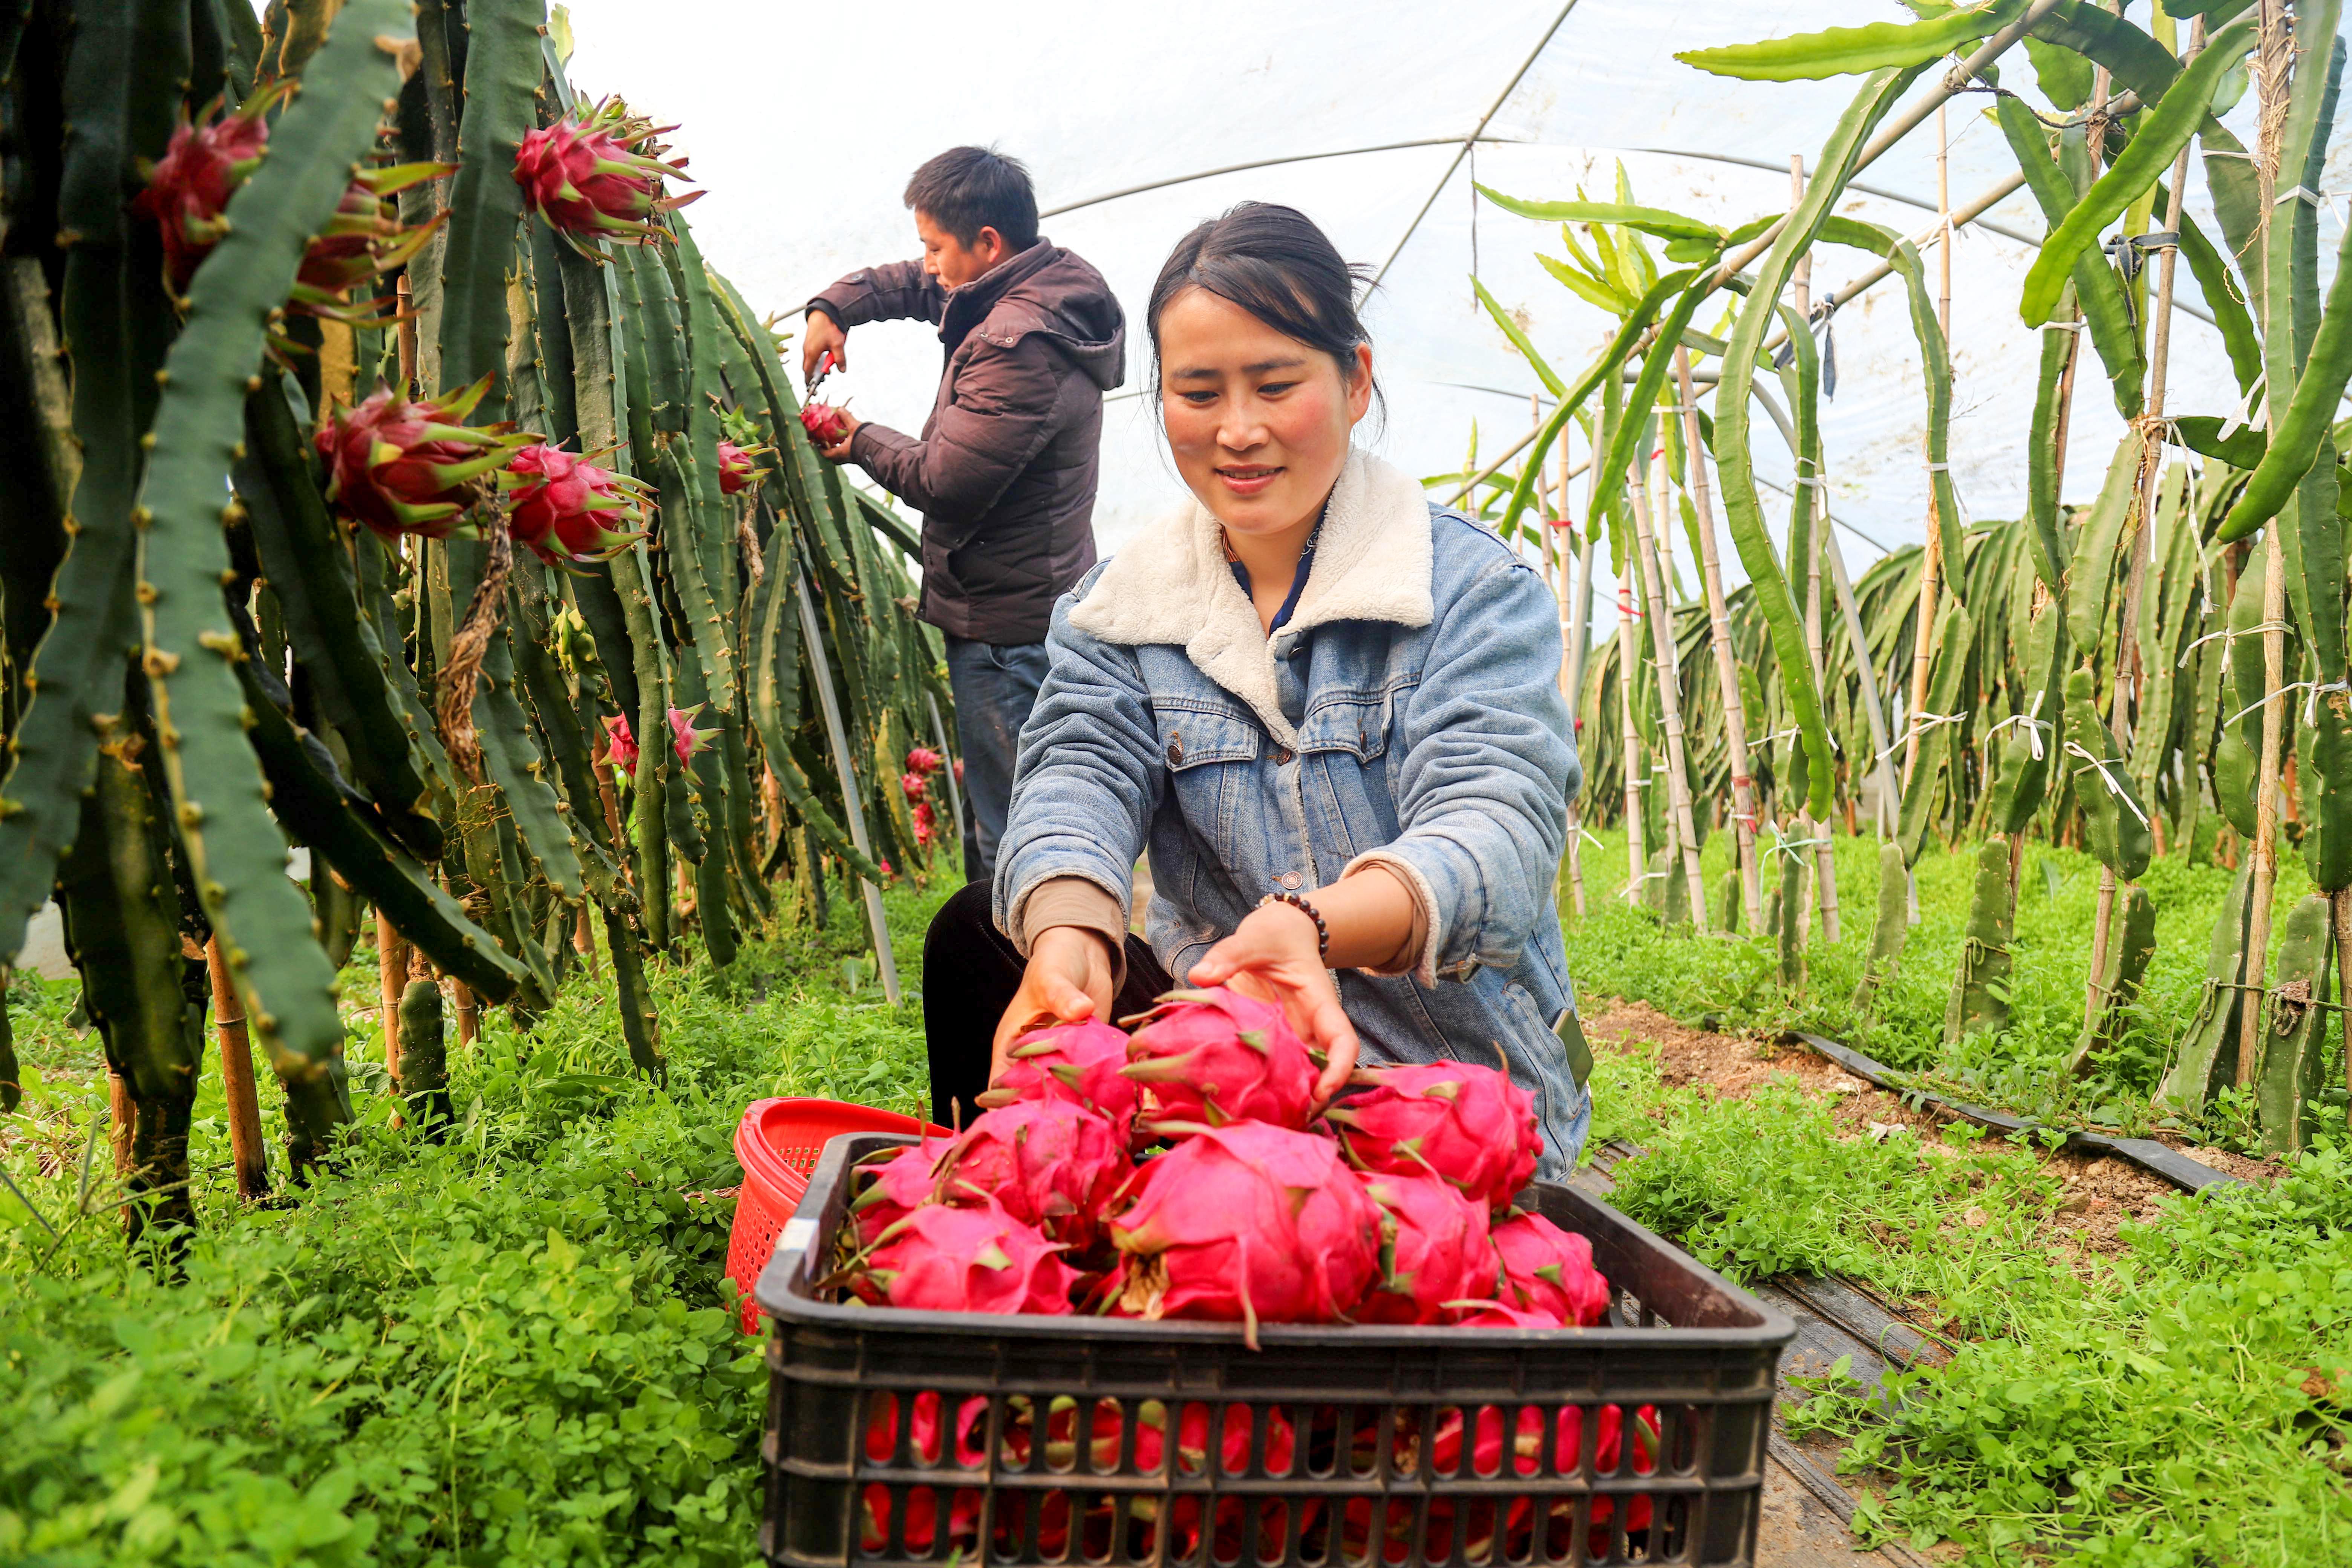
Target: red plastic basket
<point x="777" y="1144"/>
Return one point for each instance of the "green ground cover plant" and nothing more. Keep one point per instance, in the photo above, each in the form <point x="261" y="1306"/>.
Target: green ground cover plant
<point x="2182" y="1403"/>
<point x="1617" y="950"/>
<point x="514" y="1346"/>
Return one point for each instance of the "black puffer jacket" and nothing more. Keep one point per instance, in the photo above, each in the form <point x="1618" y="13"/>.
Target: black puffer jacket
<point x="1004" y="470"/>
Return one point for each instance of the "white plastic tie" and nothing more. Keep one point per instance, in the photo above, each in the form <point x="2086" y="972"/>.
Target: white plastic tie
<point x="1587" y="832"/>
<point x="2228" y="634"/>
<point x="1926" y="721"/>
<point x="2310" y="703"/>
<point x="2109" y="780"/>
<point x="2249" y="407"/>
<point x="2073" y="326"/>
<point x="2033" y="727"/>
<point x="1812" y="481"/>
<point x="1938" y="467"/>
<point x="2303" y="192"/>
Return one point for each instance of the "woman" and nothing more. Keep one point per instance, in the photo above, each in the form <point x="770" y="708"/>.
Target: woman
<point x="1329" y="710"/>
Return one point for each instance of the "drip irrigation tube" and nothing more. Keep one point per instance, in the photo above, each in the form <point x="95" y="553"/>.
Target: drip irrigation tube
<point x="2156" y="1159"/>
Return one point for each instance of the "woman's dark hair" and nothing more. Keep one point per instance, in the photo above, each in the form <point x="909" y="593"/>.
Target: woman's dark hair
<point x="966" y="189"/>
<point x="1275" y="264"/>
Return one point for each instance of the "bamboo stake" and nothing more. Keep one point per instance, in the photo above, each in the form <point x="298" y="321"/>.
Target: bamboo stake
<point x="469" y="1010"/>
<point x="123" y="1115"/>
<point x="247" y="1150"/>
<point x="1825" y="897"/>
<point x="1670" y="701"/>
<point x="392" y="972"/>
<point x="853" y="805"/>
<point x="1637" y="853"/>
<point x="1931" y="566"/>
<point x="1727" y="660"/>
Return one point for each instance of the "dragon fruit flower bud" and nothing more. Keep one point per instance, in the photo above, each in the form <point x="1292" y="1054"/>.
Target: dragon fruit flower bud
<point x="1468" y="1124"/>
<point x="940" y="1259"/>
<point x="416" y="467"/>
<point x="1215" y="1056"/>
<point x="685" y="738"/>
<point x="563" y="506"/>
<point x="1247" y="1223"/>
<point x="599" y="175"/>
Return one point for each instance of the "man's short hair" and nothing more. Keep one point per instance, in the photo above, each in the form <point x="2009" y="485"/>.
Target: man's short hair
<point x="966" y="189"/>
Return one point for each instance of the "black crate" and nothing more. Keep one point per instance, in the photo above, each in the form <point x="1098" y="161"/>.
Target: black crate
<point x="1330" y="1446"/>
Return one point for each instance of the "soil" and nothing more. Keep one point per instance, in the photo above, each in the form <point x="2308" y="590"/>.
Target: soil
<point x="2101" y="1193"/>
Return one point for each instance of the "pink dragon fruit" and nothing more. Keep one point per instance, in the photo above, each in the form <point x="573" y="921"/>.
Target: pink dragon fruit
<point x="925" y="825"/>
<point x="1051" y="1163"/>
<point x="896" y="1187"/>
<point x="737" y="471"/>
<point x="1475" y="1314"/>
<point x="1469" y="1124"/>
<point x="189" y="187"/>
<point x="362" y="241"/>
<point x="1216" y="1057"/>
<point x="912" y="786"/>
<point x="401" y="467"/>
<point x="599" y="175"/>
<point x="826" y="424"/>
<point x="923" y="761"/>
<point x="978" y="1259"/>
<point x="1437" y="1254"/>
<point x="562" y="507"/>
<point x="1079" y="1062"/>
<point x="1550" y="1270"/>
<point x="1247" y="1221"/>
<point x="620" y="745"/>
<point x="686" y="740"/>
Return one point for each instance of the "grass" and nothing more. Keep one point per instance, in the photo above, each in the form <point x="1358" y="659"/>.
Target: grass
<point x="2185" y="1402"/>
<point x="1619" y="951"/>
<point x="513" y="1346"/>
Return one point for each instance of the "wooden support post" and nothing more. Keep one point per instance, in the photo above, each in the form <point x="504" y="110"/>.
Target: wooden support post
<point x="123" y="1119"/>
<point x="853" y="803"/>
<point x="391" y="973"/>
<point x="469" y="1010"/>
<point x="247" y="1150"/>
<point x="2265" y="878"/>
<point x="1670" y="704"/>
<point x="1727" y="658"/>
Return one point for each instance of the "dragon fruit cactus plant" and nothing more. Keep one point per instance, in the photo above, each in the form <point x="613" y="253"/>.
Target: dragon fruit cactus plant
<point x="599" y="175"/>
<point x="1470" y="1125"/>
<point x="1215" y="1056"/>
<point x="1079" y="1062"/>
<point x="1247" y="1223"/>
<point x="563" y="506"/>
<point x="403" y="467"/>
<point x="1051" y="1163"/>
<point x="953" y="1258"/>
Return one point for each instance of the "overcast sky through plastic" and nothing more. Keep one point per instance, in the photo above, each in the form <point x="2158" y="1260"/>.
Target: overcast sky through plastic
<point x="803" y="126"/>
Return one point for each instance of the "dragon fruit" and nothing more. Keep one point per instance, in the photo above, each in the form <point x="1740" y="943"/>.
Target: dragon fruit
<point x="402" y="467"/>
<point x="1051" y="1163"/>
<point x="599" y="175"/>
<point x="738" y="470"/>
<point x="620" y="745"/>
<point x="1216" y="1057"/>
<point x="922" y="761"/>
<point x="900" y="1185"/>
<point x="1488" y="1450"/>
<point x="362" y="241"/>
<point x="1077" y="1062"/>
<point x="1474" y="1314"/>
<point x="1437" y="1254"/>
<point x="686" y="740"/>
<point x="561" y="507"/>
<point x="826" y="424"/>
<point x="977" y="1258"/>
<point x="1247" y="1221"/>
<point x="1470" y="1125"/>
<point x="1550" y="1270"/>
<point x="912" y="786"/>
<point x="189" y="187"/>
<point x="925" y="825"/>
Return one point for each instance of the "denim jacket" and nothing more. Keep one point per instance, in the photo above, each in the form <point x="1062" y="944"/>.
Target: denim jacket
<point x="1408" y="715"/>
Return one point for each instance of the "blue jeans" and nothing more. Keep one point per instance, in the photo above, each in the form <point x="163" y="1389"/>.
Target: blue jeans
<point x="995" y="685"/>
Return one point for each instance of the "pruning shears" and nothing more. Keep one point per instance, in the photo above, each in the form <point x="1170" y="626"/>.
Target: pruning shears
<point x="825" y="367"/>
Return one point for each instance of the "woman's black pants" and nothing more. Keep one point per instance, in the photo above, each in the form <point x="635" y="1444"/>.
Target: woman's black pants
<point x="971" y="970"/>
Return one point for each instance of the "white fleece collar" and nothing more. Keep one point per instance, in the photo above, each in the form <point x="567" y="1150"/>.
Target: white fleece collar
<point x="1172" y="585"/>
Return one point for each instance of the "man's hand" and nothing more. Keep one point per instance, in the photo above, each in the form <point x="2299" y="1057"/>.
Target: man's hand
<point x="1069" y="979"/>
<point x="839" y="451"/>
<point x="820" y="336"/>
<point x="1273" y="957"/>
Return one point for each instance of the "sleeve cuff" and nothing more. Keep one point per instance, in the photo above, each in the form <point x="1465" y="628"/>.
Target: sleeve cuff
<point x="1081" y="902"/>
<point x="1421" y="947"/>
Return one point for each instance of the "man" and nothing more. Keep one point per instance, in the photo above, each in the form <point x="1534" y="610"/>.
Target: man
<point x="1005" y="469"/>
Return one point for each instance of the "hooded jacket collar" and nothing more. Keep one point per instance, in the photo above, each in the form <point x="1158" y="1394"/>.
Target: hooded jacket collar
<point x="1047" y="291"/>
<point x="1171" y="584"/>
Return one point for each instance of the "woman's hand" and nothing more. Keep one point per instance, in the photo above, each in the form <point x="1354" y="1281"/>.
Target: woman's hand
<point x="1069" y="979"/>
<point x="1273" y="956"/>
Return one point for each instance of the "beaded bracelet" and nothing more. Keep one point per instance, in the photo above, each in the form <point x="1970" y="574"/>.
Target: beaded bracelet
<point x="1322" y="931"/>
